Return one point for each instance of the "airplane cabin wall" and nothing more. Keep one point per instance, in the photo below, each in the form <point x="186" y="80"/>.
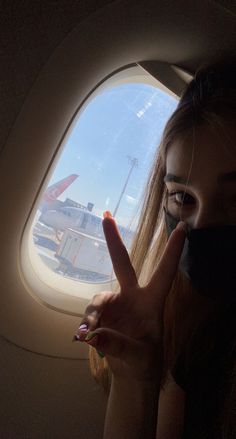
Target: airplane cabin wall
<point x="45" y="397"/>
<point x="41" y="396"/>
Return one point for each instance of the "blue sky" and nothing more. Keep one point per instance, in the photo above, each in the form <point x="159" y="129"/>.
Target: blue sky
<point x="126" y="120"/>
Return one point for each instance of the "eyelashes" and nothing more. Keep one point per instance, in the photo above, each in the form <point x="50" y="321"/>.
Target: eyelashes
<point x="180" y="200"/>
<point x="186" y="198"/>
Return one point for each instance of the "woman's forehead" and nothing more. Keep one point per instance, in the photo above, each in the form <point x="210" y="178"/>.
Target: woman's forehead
<point x="213" y="151"/>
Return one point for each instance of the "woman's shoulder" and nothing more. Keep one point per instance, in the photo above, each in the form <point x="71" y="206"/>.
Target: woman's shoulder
<point x="208" y="352"/>
<point x="204" y="369"/>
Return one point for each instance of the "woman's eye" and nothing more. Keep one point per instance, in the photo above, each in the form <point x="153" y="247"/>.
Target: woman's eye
<point x="180" y="198"/>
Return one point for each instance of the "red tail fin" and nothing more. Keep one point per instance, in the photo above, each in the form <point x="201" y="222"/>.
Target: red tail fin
<point x="53" y="192"/>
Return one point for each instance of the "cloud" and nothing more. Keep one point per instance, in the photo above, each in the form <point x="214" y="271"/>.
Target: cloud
<point x="131" y="200"/>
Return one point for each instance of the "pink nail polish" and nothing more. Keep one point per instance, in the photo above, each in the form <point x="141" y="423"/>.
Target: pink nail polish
<point x="83" y="326"/>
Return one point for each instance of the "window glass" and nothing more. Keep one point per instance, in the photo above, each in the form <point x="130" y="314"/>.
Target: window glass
<point x="103" y="166"/>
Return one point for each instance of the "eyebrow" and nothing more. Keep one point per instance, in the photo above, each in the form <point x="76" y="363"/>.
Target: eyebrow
<point x="222" y="178"/>
<point x="172" y="177"/>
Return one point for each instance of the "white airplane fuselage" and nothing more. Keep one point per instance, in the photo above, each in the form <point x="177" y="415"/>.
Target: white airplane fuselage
<point x="80" y="220"/>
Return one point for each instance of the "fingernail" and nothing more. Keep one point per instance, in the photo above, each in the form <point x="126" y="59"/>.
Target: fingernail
<point x="100" y="354"/>
<point x="90" y="335"/>
<point x="182" y="226"/>
<point x="107" y="214"/>
<point x="83" y="326"/>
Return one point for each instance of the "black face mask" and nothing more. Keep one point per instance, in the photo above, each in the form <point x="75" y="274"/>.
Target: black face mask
<point x="208" y="259"/>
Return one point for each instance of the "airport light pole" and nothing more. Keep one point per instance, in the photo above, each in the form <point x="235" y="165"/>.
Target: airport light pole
<point x="134" y="164"/>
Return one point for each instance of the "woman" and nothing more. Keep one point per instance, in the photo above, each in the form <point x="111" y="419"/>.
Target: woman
<point x="168" y="335"/>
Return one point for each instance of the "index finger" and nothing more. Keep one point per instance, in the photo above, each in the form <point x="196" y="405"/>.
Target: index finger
<point x="164" y="275"/>
<point x="120" y="258"/>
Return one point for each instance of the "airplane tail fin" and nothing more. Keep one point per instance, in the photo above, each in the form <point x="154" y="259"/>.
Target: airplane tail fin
<point x="55" y="190"/>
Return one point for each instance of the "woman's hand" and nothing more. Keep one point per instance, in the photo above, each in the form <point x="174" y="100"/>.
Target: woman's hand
<point x="128" y="325"/>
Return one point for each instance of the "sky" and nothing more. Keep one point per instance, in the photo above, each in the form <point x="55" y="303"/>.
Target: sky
<point x="119" y="125"/>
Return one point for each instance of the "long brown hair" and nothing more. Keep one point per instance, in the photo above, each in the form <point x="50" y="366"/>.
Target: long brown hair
<point x="208" y="99"/>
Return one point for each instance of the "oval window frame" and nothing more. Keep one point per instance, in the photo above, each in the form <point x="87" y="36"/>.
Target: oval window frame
<point x="36" y="284"/>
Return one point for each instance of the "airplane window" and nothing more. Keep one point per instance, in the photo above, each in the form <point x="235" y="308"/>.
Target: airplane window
<point x="103" y="165"/>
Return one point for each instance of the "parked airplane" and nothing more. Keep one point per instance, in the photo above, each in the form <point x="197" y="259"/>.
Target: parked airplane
<point x="54" y="191"/>
<point x="79" y="219"/>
